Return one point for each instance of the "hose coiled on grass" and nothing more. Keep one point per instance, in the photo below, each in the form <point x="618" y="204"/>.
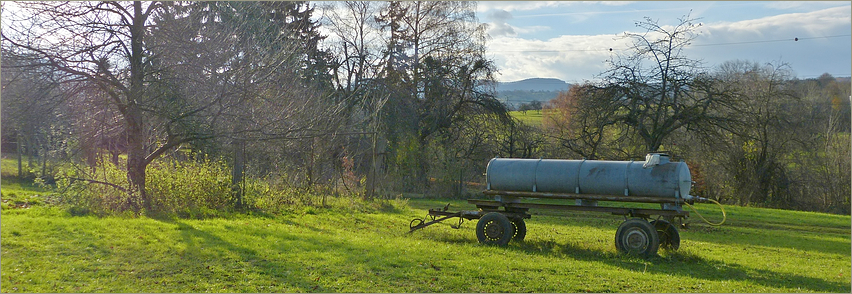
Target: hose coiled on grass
<point x="724" y="216"/>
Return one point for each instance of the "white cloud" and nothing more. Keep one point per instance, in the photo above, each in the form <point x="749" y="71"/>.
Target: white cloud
<point x="787" y="5"/>
<point x="587" y="14"/>
<point x="531" y="29"/>
<point x="570" y="58"/>
<point x="826" y="22"/>
<point x="484" y="6"/>
<point x="575" y="58"/>
<point x="499" y="25"/>
<point x="611" y="3"/>
<point x="823" y="44"/>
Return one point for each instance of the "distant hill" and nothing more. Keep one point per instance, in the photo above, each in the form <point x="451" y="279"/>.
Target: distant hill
<point x="534" y="84"/>
<point x="513" y="94"/>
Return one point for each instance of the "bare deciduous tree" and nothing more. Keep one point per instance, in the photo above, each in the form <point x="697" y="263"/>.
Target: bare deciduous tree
<point x="31" y="103"/>
<point x="101" y="43"/>
<point x="582" y="120"/>
<point x="658" y="89"/>
<point x="176" y="74"/>
<point x="356" y="41"/>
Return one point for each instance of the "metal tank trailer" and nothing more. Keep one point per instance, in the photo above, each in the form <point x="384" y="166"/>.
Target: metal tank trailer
<point x="509" y="180"/>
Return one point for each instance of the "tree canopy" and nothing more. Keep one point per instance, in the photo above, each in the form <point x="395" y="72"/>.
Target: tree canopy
<point x="297" y="99"/>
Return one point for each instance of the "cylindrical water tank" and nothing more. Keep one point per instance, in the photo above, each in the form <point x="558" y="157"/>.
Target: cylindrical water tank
<point x="655" y="177"/>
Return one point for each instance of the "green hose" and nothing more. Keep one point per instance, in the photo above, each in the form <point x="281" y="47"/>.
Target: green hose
<point x="724" y="216"/>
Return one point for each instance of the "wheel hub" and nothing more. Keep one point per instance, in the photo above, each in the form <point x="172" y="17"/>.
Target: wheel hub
<point x="636" y="240"/>
<point x="493" y="230"/>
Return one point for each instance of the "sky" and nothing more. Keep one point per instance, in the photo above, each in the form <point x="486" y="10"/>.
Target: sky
<point x="570" y="40"/>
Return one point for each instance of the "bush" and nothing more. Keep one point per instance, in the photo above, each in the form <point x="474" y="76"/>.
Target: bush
<point x="85" y="190"/>
<point x="192" y="188"/>
<point x="189" y="188"/>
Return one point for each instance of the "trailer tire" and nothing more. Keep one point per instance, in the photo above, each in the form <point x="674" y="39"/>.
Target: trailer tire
<point x="669" y="237"/>
<point x="637" y="236"/>
<point x="519" y="227"/>
<point x="494" y="228"/>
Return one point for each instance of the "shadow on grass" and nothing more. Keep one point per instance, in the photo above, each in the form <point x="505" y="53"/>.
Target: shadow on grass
<point x="676" y="264"/>
<point x="211" y="249"/>
<point x="683" y="265"/>
<point x="781" y="235"/>
<point x="798" y="240"/>
<point x="308" y="261"/>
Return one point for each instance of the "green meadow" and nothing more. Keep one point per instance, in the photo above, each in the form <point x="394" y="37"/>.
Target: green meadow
<point x="353" y="246"/>
<point x="529" y="117"/>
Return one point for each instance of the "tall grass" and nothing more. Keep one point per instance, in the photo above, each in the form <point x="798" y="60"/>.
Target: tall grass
<point x="190" y="188"/>
<point x="194" y="188"/>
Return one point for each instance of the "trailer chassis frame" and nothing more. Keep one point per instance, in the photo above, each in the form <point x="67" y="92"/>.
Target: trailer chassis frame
<point x="515" y="211"/>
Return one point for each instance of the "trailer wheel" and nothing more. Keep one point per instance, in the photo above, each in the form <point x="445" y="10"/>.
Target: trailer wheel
<point x="637" y="236"/>
<point x="669" y="237"/>
<point x="520" y="229"/>
<point x="494" y="228"/>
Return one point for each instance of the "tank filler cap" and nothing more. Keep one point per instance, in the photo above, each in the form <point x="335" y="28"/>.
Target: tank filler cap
<point x="654" y="159"/>
<point x="651" y="159"/>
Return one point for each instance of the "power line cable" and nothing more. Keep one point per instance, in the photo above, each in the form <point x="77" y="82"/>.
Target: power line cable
<point x="794" y="39"/>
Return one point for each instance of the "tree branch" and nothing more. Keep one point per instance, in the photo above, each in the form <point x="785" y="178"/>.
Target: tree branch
<point x="120" y="188"/>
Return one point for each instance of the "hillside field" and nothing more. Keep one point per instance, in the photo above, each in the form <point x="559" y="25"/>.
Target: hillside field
<point x="356" y="246"/>
<point x="529" y="117"/>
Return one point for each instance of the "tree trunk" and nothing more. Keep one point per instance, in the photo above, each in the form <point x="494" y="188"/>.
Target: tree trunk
<point x="460" y="186"/>
<point x="136" y="161"/>
<point x="238" y="171"/>
<point x="43" y="161"/>
<point x="33" y="153"/>
<point x="310" y="168"/>
<point x="20" y="157"/>
<point x="422" y="169"/>
<point x="371" y="174"/>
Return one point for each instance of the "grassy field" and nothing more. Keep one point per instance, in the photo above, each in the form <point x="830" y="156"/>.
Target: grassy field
<point x="18" y="193"/>
<point x="529" y="117"/>
<point x="368" y="249"/>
